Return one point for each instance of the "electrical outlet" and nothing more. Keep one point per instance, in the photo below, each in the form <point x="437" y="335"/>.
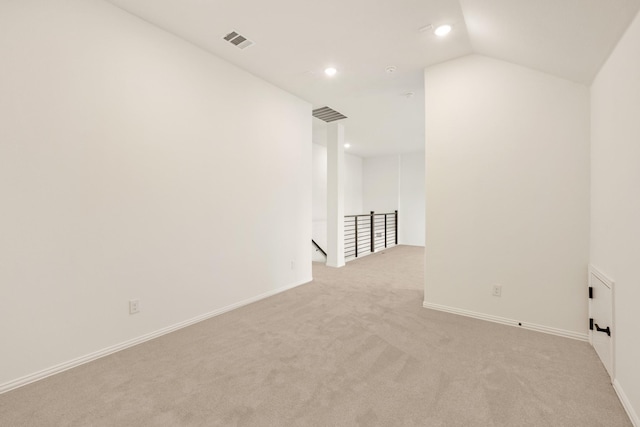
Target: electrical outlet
<point x="134" y="306"/>
<point x="293" y="264"/>
<point x="496" y="290"/>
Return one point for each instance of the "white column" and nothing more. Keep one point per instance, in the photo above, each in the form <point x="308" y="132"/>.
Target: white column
<point x="335" y="195"/>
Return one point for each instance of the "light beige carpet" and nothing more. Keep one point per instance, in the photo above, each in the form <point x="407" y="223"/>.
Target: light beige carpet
<point x="352" y="348"/>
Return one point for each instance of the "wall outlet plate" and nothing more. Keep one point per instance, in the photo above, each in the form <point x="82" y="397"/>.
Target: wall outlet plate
<point x="496" y="290"/>
<point x="134" y="306"/>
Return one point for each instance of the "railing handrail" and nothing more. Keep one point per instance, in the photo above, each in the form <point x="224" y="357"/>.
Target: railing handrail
<point x="319" y="248"/>
<point x="374" y="214"/>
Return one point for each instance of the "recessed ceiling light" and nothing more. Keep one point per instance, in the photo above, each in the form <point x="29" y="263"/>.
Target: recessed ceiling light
<point x="442" y="30"/>
<point x="330" y="71"/>
<point x="347" y="145"/>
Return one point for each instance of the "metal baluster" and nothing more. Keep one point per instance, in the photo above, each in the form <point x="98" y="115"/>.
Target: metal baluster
<point x="385" y="230"/>
<point x="396" y="223"/>
<point x="373" y="235"/>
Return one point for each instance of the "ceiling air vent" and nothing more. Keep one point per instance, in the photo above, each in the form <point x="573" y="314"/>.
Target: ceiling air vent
<point x="241" y="42"/>
<point x="327" y="114"/>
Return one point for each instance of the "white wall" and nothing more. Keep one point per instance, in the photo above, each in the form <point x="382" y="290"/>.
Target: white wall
<point x="353" y="185"/>
<point x="381" y="183"/>
<point x="507" y="193"/>
<point x="411" y="199"/>
<point x="397" y="182"/>
<point x="319" y="196"/>
<point x="615" y="201"/>
<point x="135" y="165"/>
<point x="352" y="190"/>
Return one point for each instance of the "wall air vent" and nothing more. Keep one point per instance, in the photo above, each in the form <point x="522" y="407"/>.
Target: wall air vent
<point x="327" y="114"/>
<point x="239" y="41"/>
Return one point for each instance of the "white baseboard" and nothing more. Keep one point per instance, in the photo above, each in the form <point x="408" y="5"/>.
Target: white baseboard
<point x="510" y="322"/>
<point x="11" y="385"/>
<point x="635" y="420"/>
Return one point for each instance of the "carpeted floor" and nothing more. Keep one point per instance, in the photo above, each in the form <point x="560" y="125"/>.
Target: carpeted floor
<point x="352" y="348"/>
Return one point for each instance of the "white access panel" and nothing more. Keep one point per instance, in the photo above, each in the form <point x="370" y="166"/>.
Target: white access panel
<point x="601" y="311"/>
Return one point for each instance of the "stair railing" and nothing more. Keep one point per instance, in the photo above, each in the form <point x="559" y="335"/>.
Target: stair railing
<point x="318" y="248"/>
<point x="369" y="233"/>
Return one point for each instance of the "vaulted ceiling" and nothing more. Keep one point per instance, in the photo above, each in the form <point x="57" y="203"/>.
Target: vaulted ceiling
<point x="295" y="40"/>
